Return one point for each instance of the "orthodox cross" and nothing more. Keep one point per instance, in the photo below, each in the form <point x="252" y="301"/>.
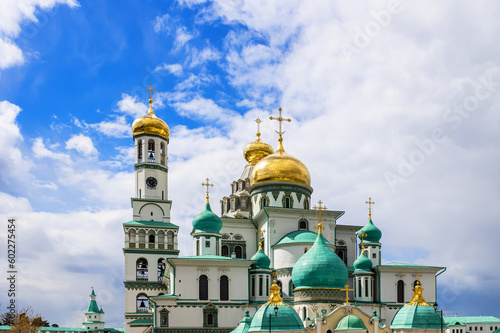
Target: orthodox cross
<point x="346" y="289"/>
<point x="370" y="203"/>
<point x="261" y="236"/>
<point x="150" y="89"/>
<point x="280" y="119"/>
<point x="320" y="225"/>
<point x="258" y="121"/>
<point x="362" y="235"/>
<point x="207" y="184"/>
<point x="418" y="277"/>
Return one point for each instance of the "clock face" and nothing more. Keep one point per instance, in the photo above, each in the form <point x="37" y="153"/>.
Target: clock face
<point x="151" y="182"/>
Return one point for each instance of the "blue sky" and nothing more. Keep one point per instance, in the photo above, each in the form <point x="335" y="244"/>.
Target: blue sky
<point x="391" y="100"/>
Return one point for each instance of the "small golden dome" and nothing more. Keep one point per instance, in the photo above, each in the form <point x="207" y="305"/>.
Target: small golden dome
<point x="150" y="124"/>
<point x="257" y="150"/>
<point x="278" y="167"/>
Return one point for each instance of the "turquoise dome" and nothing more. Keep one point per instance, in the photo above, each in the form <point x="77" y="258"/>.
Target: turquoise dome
<point x="244" y="324"/>
<point x="417" y="316"/>
<point x="286" y="320"/>
<point x="373" y="234"/>
<point x="262" y="261"/>
<point x="362" y="264"/>
<point x="319" y="267"/>
<point x="351" y="322"/>
<point x="207" y="222"/>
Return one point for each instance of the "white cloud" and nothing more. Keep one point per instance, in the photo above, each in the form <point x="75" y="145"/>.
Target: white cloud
<point x="182" y="36"/>
<point x="175" y="69"/>
<point x="201" y="108"/>
<point x="207" y="54"/>
<point x="10" y="54"/>
<point x="40" y="151"/>
<point x="129" y="105"/>
<point x="82" y="144"/>
<point x="161" y="23"/>
<point x="117" y="128"/>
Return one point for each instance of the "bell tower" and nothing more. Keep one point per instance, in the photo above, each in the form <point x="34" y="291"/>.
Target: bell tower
<point x="150" y="238"/>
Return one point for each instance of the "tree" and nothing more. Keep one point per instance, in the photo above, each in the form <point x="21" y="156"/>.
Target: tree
<point x="24" y="321"/>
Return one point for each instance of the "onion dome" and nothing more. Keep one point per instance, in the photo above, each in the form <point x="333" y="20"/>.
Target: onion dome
<point x="280" y="167"/>
<point x="417" y="314"/>
<point x="351" y="322"/>
<point x="362" y="264"/>
<point x="283" y="317"/>
<point x="262" y="261"/>
<point x="257" y="150"/>
<point x="244" y="324"/>
<point x="373" y="234"/>
<point x="150" y="124"/>
<point x="207" y="221"/>
<point x="319" y="267"/>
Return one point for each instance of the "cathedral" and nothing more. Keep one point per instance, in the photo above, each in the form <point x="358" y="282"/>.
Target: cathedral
<point x="273" y="260"/>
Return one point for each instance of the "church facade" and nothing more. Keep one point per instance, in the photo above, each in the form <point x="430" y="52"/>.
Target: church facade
<point x="269" y="234"/>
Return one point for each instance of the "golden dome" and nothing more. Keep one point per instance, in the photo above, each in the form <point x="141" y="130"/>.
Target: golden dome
<point x="279" y="167"/>
<point x="150" y="124"/>
<point x="257" y="150"/>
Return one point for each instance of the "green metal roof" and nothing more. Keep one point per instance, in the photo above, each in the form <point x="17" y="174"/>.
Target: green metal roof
<point x="150" y="223"/>
<point x="244" y="324"/>
<point x="209" y="257"/>
<point x="399" y="264"/>
<point x="373" y="234"/>
<point x="472" y="320"/>
<point x="319" y="267"/>
<point x="207" y="222"/>
<point x="261" y="260"/>
<point x="93" y="308"/>
<point x="298" y="236"/>
<point x="351" y="322"/>
<point x="141" y="321"/>
<point x="286" y="320"/>
<point x="417" y="317"/>
<point x="362" y="264"/>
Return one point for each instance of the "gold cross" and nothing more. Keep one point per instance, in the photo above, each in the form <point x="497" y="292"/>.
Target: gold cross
<point x="261" y="236"/>
<point x="150" y="89"/>
<point x="280" y="119"/>
<point x="362" y="235"/>
<point x="418" y="276"/>
<point x="346" y="289"/>
<point x="370" y="203"/>
<point x="320" y="225"/>
<point x="207" y="184"/>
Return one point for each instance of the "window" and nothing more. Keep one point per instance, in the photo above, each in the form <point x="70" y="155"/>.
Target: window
<point x="142" y="269"/>
<point x="303" y="225"/>
<point x="210" y="316"/>
<point x="306" y="204"/>
<point x="139" y="150"/>
<point x="161" y="269"/>
<point x="164" y="319"/>
<point x="359" y="287"/>
<point x="224" y="288"/>
<point x="151" y="237"/>
<point x="291" y="287"/>
<point x="304" y="313"/>
<point x="207" y="243"/>
<point x="253" y="286"/>
<point x="238" y="251"/>
<point x="197" y="247"/>
<point x="281" y="287"/>
<point x="170" y="240"/>
<point x="263" y="202"/>
<point x="374" y="255"/>
<point x="225" y="251"/>
<point x="287" y="202"/>
<point x="366" y="287"/>
<point x="203" y="287"/>
<point x="401" y="291"/>
<point x="142" y="303"/>
<point x="162" y="152"/>
<point x="260" y="285"/>
<point x="151" y="150"/>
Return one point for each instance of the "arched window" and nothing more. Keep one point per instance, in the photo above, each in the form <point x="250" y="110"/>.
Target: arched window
<point x="281" y="287"/>
<point x="263" y="202"/>
<point x="304" y="313"/>
<point x="142" y="303"/>
<point x="303" y="225"/>
<point x="401" y="291"/>
<point x="131" y="238"/>
<point x="291" y="287"/>
<point x="161" y="269"/>
<point x="225" y="251"/>
<point x="238" y="251"/>
<point x="287" y="202"/>
<point x="341" y="254"/>
<point x="359" y="287"/>
<point x="306" y="203"/>
<point x="170" y="240"/>
<point x="139" y="150"/>
<point x="151" y="238"/>
<point x="203" y="287"/>
<point x="224" y="288"/>
<point x="151" y="150"/>
<point x="162" y="152"/>
<point x="164" y="318"/>
<point x="142" y="269"/>
<point x="210" y="319"/>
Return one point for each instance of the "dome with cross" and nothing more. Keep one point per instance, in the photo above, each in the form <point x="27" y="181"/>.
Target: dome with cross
<point x="150" y="123"/>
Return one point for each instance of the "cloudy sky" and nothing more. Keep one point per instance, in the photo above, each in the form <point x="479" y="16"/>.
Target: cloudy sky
<point x="390" y="100"/>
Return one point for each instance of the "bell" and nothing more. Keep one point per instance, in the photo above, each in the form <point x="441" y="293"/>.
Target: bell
<point x="151" y="156"/>
<point x="142" y="305"/>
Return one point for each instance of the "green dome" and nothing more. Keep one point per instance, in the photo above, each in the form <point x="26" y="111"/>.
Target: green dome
<point x="417" y="317"/>
<point x="207" y="222"/>
<point x="319" y="267"/>
<point x="362" y="264"/>
<point x="286" y="320"/>
<point x="373" y="234"/>
<point x="261" y="260"/>
<point x="244" y="324"/>
<point x="351" y="322"/>
<point x="298" y="236"/>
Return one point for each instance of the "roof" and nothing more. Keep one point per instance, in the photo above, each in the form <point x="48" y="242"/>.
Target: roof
<point x="372" y="233"/>
<point x="286" y="320"/>
<point x="93" y="308"/>
<point x="399" y="264"/>
<point x="209" y="257"/>
<point x="244" y="324"/>
<point x="298" y="236"/>
<point x="351" y="322"/>
<point x="207" y="221"/>
<point x="417" y="317"/>
<point x="471" y="320"/>
<point x="141" y="321"/>
<point x="150" y="223"/>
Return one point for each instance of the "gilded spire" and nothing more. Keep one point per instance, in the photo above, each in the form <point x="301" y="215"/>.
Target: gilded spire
<point x="418" y="298"/>
<point x="320" y="224"/>
<point x="274" y="294"/>
<point x="150" y="89"/>
<point x="280" y="119"/>
<point x="362" y="235"/>
<point x="370" y="203"/>
<point x="258" y="121"/>
<point x="260" y="236"/>
<point x="207" y="184"/>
